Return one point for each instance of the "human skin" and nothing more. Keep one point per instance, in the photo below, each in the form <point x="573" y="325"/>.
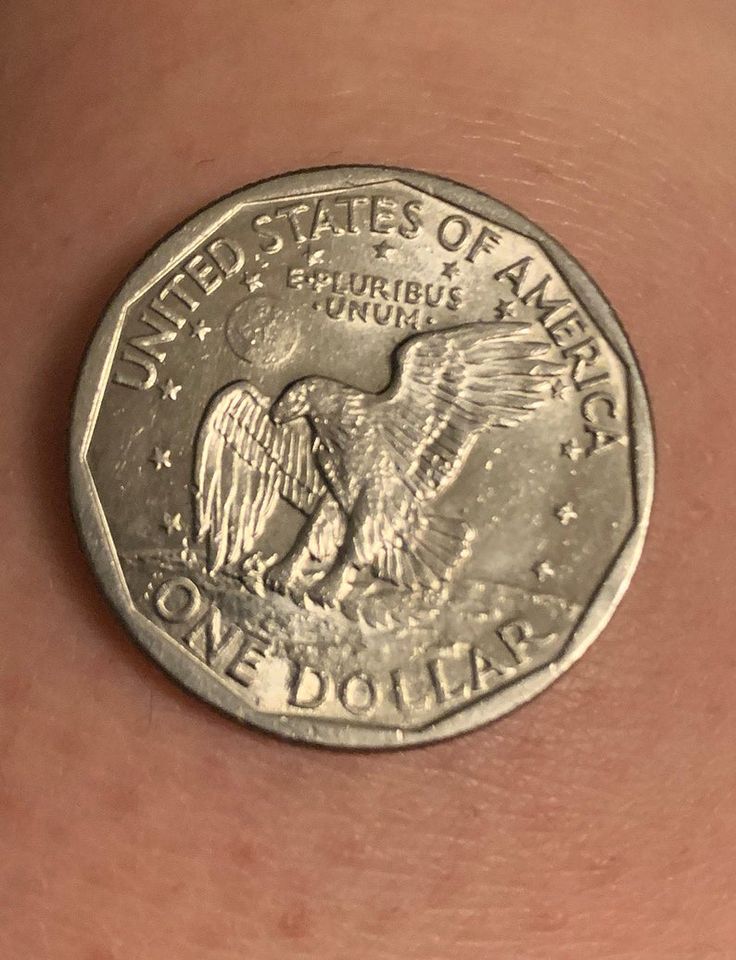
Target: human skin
<point x="597" y="822"/>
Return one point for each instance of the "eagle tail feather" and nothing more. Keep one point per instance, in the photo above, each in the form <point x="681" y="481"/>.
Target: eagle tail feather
<point x="427" y="555"/>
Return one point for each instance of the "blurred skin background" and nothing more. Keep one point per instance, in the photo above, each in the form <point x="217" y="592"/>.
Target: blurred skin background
<point x="596" y="822"/>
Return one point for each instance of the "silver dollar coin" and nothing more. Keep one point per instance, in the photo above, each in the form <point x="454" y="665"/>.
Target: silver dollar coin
<point x="362" y="457"/>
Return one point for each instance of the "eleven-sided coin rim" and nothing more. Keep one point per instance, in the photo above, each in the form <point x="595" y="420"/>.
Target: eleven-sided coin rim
<point x="186" y="668"/>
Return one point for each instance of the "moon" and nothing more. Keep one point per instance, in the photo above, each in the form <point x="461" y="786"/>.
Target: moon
<point x="259" y="331"/>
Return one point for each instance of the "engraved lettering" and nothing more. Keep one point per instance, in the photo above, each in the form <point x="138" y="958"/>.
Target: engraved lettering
<point x="411" y="211"/>
<point x="437" y="674"/>
<point x="378" y="288"/>
<point x="400" y="693"/>
<point x="292" y="214"/>
<point x="481" y="669"/>
<point x="358" y="311"/>
<point x="406" y="319"/>
<point x="586" y="354"/>
<point x="147" y="343"/>
<point x="536" y="297"/>
<point x="453" y="231"/>
<point x="358" y="284"/>
<point x="455" y="298"/>
<point x="357" y="693"/>
<point x="167" y="312"/>
<point x="177" y="600"/>
<point x="307" y="687"/>
<point x="515" y="273"/>
<point x="382" y="214"/>
<point x="243" y="668"/>
<point x="350" y="205"/>
<point x="382" y="315"/>
<point x="485" y="241"/>
<point x="323" y="221"/>
<point x="174" y="288"/>
<point x="518" y="636"/>
<point x="228" y="255"/>
<point x="164" y="310"/>
<point x="270" y="242"/>
<point x="215" y="646"/>
<point x="515" y="636"/>
<point x="567" y="328"/>
<point x="125" y="379"/>
<point x="433" y="296"/>
<point x="600" y="411"/>
<point x="295" y="277"/>
<point x="590" y="407"/>
<point x="204" y="273"/>
<point x="335" y="307"/>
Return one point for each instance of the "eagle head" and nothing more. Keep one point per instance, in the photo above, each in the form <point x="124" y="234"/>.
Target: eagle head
<point x="294" y="402"/>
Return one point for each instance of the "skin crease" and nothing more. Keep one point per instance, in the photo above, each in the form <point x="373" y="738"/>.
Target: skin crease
<point x="597" y="822"/>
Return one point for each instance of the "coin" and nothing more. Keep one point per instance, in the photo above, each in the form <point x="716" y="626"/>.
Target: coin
<point x="362" y="457"/>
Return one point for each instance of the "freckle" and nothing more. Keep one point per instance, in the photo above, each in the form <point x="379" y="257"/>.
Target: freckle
<point x="11" y="804"/>
<point x="99" y="953"/>
<point x="547" y="921"/>
<point x="243" y="853"/>
<point x="69" y="744"/>
<point x="124" y="799"/>
<point x="293" y="924"/>
<point x="207" y="935"/>
<point x="14" y="690"/>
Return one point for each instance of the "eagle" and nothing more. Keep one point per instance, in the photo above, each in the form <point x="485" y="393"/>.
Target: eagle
<point x="365" y="469"/>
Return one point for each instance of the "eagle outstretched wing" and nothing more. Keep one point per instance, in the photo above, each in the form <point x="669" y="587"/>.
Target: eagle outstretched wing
<point x="449" y="385"/>
<point x="244" y="462"/>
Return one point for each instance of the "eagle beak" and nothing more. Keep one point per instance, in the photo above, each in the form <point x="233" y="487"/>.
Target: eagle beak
<point x="281" y="414"/>
<point x="288" y="408"/>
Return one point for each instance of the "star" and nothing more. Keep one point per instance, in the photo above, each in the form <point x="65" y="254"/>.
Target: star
<point x="566" y="514"/>
<point x="557" y="389"/>
<point x="200" y="331"/>
<point x="314" y="256"/>
<point x="543" y="570"/>
<point x="170" y="390"/>
<point x="504" y="310"/>
<point x="160" y="458"/>
<point x="571" y="450"/>
<point x="171" y="523"/>
<point x="450" y="269"/>
<point x="382" y="249"/>
<point x="252" y="281"/>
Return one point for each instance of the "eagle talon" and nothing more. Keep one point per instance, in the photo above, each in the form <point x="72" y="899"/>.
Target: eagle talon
<point x="282" y="578"/>
<point x="327" y="593"/>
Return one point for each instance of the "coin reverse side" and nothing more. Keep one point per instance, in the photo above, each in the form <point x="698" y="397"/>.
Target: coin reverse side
<point x="361" y="457"/>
